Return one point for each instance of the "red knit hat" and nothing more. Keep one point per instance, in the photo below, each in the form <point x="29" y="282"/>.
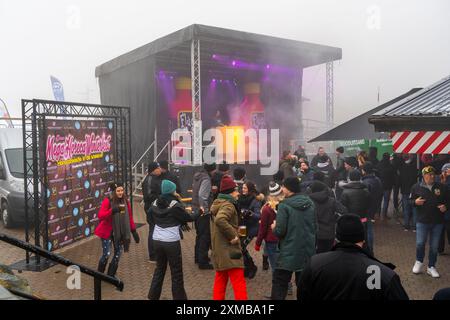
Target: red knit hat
<point x="227" y="184"/>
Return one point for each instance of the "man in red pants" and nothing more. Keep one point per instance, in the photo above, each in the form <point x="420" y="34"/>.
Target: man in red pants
<point x="226" y="247"/>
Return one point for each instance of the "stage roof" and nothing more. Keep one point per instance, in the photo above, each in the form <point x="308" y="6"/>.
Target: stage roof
<point x="359" y="127"/>
<point x="427" y="109"/>
<point x="174" y="49"/>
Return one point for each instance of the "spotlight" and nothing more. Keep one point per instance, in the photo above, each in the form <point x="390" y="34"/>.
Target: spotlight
<point x="234" y="63"/>
<point x="213" y="80"/>
<point x="268" y="66"/>
<point x="214" y="56"/>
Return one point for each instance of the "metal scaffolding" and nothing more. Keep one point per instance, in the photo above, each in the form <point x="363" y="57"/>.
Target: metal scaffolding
<point x="330" y="94"/>
<point x="196" y="103"/>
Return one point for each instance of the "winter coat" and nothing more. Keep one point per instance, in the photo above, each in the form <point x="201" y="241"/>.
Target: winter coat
<point x="250" y="214"/>
<point x="201" y="191"/>
<point x="329" y="172"/>
<point x="342" y="274"/>
<point x="287" y="168"/>
<point x="326" y="208"/>
<point x="168" y="212"/>
<point x="224" y="228"/>
<point x="428" y="213"/>
<point x="387" y="174"/>
<point x="341" y="173"/>
<point x="315" y="160"/>
<point x="356" y="198"/>
<point x="268" y="216"/>
<point x="375" y="188"/>
<point x="408" y="177"/>
<point x="151" y="187"/>
<point x="296" y="231"/>
<point x="105" y="227"/>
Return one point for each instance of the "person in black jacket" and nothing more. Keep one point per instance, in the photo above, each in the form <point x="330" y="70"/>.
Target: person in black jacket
<point x="408" y="177"/>
<point x="326" y="209"/>
<point x="431" y="200"/>
<point x="151" y="189"/>
<point x="397" y="163"/>
<point x="375" y="188"/>
<point x="165" y="172"/>
<point x="356" y="198"/>
<point x="324" y="165"/>
<point x="201" y="202"/>
<point x="349" y="272"/>
<point x="168" y="215"/>
<point x="387" y="176"/>
<point x="320" y="153"/>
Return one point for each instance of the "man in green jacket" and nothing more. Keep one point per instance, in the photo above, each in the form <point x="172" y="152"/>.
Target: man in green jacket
<point x="295" y="226"/>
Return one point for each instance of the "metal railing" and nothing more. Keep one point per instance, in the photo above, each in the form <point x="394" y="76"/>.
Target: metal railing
<point x="98" y="276"/>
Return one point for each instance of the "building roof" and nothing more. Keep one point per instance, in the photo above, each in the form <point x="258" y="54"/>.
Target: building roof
<point x="359" y="127"/>
<point x="175" y="49"/>
<point x="427" y="109"/>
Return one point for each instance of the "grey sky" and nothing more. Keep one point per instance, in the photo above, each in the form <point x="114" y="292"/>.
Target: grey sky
<point x="410" y="46"/>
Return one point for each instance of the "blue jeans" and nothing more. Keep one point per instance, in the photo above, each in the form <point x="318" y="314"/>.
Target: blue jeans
<point x="272" y="253"/>
<point x="434" y="231"/>
<point x="408" y="212"/>
<point x="386" y="199"/>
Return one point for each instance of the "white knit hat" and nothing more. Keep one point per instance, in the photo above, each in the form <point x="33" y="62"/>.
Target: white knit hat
<point x="274" y="189"/>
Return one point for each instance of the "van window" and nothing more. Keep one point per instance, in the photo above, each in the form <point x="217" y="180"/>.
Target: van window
<point x="2" y="167"/>
<point x="15" y="162"/>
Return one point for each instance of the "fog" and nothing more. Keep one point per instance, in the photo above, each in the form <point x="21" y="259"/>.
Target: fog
<point x="388" y="46"/>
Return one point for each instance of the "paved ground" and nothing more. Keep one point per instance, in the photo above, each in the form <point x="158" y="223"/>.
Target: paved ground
<point x="391" y="244"/>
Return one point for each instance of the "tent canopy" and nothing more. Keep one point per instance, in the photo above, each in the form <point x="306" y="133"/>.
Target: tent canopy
<point x="359" y="127"/>
<point x="175" y="49"/>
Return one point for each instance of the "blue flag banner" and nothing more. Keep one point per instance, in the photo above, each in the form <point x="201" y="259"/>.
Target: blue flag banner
<point x="58" y="90"/>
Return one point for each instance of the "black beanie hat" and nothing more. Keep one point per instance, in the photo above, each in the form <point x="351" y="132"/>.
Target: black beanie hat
<point x="349" y="228"/>
<point x="209" y="167"/>
<point x="318" y="186"/>
<point x="319" y="176"/>
<point x="351" y="161"/>
<point x="239" y="173"/>
<point x="224" y="167"/>
<point x="152" y="166"/>
<point x="292" y="184"/>
<point x="354" y="175"/>
<point x="340" y="149"/>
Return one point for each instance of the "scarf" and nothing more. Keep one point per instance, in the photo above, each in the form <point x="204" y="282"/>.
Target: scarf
<point x="245" y="201"/>
<point x="121" y="228"/>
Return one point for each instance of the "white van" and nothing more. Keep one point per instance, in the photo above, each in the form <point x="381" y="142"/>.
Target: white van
<point x="12" y="197"/>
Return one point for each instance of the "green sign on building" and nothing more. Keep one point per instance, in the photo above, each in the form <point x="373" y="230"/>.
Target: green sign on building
<point x="352" y="147"/>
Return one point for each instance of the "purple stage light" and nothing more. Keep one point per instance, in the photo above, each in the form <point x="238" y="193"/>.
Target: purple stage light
<point x="214" y="56"/>
<point x="213" y="80"/>
<point x="268" y="66"/>
<point x="233" y="63"/>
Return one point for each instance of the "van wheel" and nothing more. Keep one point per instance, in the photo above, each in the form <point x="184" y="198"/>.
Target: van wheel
<point x="6" y="218"/>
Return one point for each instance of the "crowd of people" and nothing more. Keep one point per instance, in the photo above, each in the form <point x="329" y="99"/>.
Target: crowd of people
<point x="314" y="219"/>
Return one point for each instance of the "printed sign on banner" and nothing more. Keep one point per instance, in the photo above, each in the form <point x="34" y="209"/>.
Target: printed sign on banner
<point x="81" y="164"/>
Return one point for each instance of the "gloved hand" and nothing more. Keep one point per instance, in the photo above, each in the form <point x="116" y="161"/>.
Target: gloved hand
<point x="115" y="210"/>
<point x="136" y="237"/>
<point x="185" y="228"/>
<point x="257" y="248"/>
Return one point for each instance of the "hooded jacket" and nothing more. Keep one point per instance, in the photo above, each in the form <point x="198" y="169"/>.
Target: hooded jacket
<point x="327" y="169"/>
<point x="167" y="213"/>
<point x="326" y="208"/>
<point x="342" y="274"/>
<point x="201" y="190"/>
<point x="224" y="226"/>
<point x="296" y="231"/>
<point x="408" y="176"/>
<point x="375" y="187"/>
<point x="356" y="198"/>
